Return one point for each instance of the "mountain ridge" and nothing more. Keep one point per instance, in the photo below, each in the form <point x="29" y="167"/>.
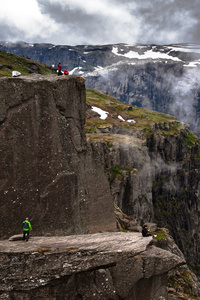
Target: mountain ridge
<point x="164" y="78"/>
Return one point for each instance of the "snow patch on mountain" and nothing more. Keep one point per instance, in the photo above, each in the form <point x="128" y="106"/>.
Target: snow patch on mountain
<point x="193" y="64"/>
<point x="149" y="54"/>
<point x="103" y="114"/>
<point x="104" y="71"/>
<point x="131" y="121"/>
<point x="189" y="48"/>
<point x="73" y="71"/>
<point x="120" y="117"/>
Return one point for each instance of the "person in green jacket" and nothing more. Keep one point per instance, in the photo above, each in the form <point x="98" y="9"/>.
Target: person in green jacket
<point x="26" y="226"/>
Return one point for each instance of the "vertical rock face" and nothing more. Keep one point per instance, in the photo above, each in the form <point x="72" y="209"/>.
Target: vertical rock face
<point x="175" y="190"/>
<point x="157" y="180"/>
<point x="46" y="172"/>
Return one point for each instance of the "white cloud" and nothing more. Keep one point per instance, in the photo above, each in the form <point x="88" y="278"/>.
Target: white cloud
<point x="112" y="23"/>
<point x="100" y="22"/>
<point x="25" y="17"/>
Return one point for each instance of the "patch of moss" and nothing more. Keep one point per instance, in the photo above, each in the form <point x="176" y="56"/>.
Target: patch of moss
<point x="190" y="138"/>
<point x="161" y="235"/>
<point x="181" y="283"/>
<point x="42" y="250"/>
<point x="123" y="228"/>
<point x="117" y="171"/>
<point x="148" y="132"/>
<point x="71" y="248"/>
<point x="90" y="129"/>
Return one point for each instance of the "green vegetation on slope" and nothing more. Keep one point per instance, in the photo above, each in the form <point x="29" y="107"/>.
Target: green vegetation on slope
<point x="10" y="62"/>
<point x="146" y="121"/>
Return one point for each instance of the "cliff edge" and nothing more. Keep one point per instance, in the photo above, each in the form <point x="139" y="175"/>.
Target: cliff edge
<point x="94" y="266"/>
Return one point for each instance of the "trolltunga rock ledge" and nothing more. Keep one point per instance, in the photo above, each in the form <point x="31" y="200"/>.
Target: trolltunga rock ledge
<point x="94" y="266"/>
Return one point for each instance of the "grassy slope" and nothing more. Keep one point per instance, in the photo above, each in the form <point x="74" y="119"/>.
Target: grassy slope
<point x="145" y="119"/>
<point x="10" y="62"/>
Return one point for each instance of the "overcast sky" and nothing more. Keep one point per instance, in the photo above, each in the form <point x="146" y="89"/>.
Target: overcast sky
<point x="76" y="22"/>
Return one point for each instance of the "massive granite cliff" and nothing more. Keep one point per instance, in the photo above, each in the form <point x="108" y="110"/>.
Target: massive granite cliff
<point x="46" y="172"/>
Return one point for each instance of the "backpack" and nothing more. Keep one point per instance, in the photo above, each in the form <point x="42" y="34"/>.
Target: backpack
<point x="26" y="225"/>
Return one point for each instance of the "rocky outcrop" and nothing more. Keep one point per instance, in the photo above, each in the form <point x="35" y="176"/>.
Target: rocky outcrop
<point x="46" y="172"/>
<point x="94" y="266"/>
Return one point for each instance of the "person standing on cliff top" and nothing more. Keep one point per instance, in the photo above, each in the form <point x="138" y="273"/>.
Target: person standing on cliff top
<point x="26" y="226"/>
<point x="59" y="69"/>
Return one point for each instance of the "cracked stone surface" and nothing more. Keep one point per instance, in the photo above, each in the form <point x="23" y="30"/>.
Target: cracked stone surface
<point x="113" y="242"/>
<point x="111" y="264"/>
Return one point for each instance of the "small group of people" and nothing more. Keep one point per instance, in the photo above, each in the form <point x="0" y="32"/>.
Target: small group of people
<point x="26" y="227"/>
<point x="60" y="70"/>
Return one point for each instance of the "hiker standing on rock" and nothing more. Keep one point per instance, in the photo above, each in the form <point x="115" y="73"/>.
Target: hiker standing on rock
<point x="59" y="69"/>
<point x="26" y="226"/>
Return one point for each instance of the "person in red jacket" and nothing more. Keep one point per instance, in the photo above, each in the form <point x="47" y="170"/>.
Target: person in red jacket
<point x="66" y="72"/>
<point x="59" y="69"/>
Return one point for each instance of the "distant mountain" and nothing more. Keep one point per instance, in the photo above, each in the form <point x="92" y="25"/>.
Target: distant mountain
<point x="162" y="78"/>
